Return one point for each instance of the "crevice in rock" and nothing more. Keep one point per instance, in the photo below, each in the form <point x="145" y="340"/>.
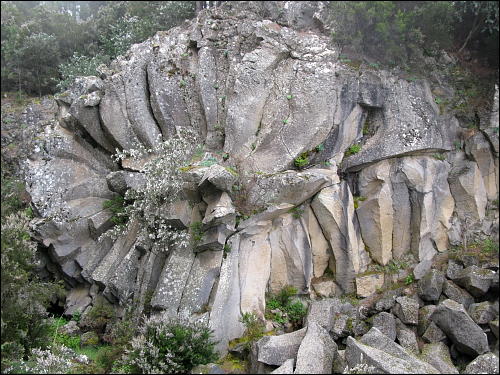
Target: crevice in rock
<point x="148" y="101"/>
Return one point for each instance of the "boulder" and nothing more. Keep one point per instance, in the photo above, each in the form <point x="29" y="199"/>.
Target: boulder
<point x="223" y="178"/>
<point x="406" y="309"/>
<point x="431" y="285"/>
<point x="77" y="301"/>
<point x="482" y="313"/>
<point x="438" y="355"/>
<point x="322" y="312"/>
<point x="476" y="280"/>
<point x="384" y="355"/>
<point x="424" y="315"/>
<point x="316" y="344"/>
<point x="406" y="337"/>
<point x="276" y="350"/>
<point x="433" y="333"/>
<point x="468" y="337"/>
<point x="386" y="324"/>
<point x="71" y="328"/>
<point x="483" y="364"/>
<point x="457" y="294"/>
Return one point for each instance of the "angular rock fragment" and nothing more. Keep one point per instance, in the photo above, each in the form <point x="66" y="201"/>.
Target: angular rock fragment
<point x="406" y="337"/>
<point x="438" y="355"/>
<point x="476" y="280"/>
<point x="386" y="324"/>
<point x="431" y="285"/>
<point x="406" y="309"/>
<point x="316" y="344"/>
<point x="482" y="313"/>
<point x="377" y="350"/>
<point x="368" y="284"/>
<point x="322" y="312"/>
<point x="468" y="337"/>
<point x="483" y="364"/>
<point x="276" y="350"/>
<point x="457" y="294"/>
<point x="285" y="368"/>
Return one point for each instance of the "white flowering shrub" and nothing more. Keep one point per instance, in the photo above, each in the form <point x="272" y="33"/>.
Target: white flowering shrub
<point x="54" y="360"/>
<point x="167" y="347"/>
<point x="163" y="185"/>
<point x="79" y="65"/>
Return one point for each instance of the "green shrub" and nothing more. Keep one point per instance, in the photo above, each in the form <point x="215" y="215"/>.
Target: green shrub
<point x="289" y="311"/>
<point x="302" y="160"/>
<point x="167" y="347"/>
<point x="358" y="199"/>
<point x="59" y="338"/>
<point x="354" y="149"/>
<point x="439" y="156"/>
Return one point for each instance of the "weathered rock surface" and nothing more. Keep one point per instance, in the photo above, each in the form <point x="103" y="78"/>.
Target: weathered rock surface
<point x="475" y="279"/>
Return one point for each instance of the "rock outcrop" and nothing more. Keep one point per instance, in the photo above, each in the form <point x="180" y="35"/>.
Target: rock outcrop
<point x="278" y="200"/>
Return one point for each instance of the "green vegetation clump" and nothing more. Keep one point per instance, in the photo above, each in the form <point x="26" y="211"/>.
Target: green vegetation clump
<point x="354" y="149"/>
<point x="24" y="296"/>
<point x="255" y="329"/>
<point x="302" y="160"/>
<point x="117" y="207"/>
<point x="289" y="311"/>
<point x="439" y="156"/>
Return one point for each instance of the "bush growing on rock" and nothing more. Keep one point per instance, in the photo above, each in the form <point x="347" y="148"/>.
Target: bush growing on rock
<point x="168" y="346"/>
<point x="163" y="186"/>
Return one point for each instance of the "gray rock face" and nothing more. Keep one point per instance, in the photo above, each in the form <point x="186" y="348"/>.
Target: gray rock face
<point x="316" y="344"/>
<point x="431" y="285"/>
<point x="406" y="309"/>
<point x="438" y="355"/>
<point x="387" y="357"/>
<point x="386" y="324"/>
<point x="483" y="364"/>
<point x="468" y="337"/>
<point x="276" y="350"/>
